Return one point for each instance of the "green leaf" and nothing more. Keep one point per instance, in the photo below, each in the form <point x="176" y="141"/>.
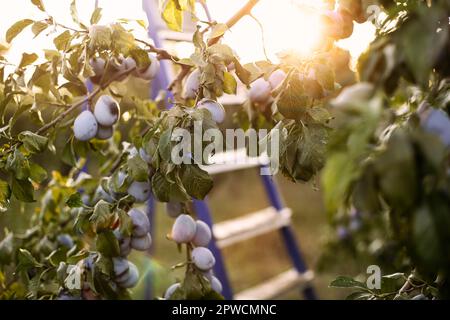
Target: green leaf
<point x="7" y="249"/>
<point x="26" y="260"/>
<point x="63" y="40"/>
<point x="38" y="27"/>
<point x="74" y="200"/>
<point x="74" y="12"/>
<point x="22" y="190"/>
<point x="17" y="28"/>
<point x="96" y="15"/>
<point x="18" y="164"/>
<point x="138" y="168"/>
<point x="5" y="195"/>
<point x="33" y="142"/>
<point x="347" y="282"/>
<point x="229" y="83"/>
<point x="165" y="145"/>
<point x="39" y="4"/>
<point x="68" y="155"/>
<point x="141" y="57"/>
<point x="107" y="244"/>
<point x="37" y="173"/>
<point x="102" y="217"/>
<point x="173" y="16"/>
<point x="218" y="30"/>
<point x="166" y="191"/>
<point x="358" y="295"/>
<point x="425" y="237"/>
<point x="196" y="181"/>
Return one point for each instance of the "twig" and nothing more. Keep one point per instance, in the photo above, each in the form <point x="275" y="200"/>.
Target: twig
<point x="161" y="53"/>
<point x="245" y="10"/>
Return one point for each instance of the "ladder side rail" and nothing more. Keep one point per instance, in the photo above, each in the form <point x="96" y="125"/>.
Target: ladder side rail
<point x="287" y="234"/>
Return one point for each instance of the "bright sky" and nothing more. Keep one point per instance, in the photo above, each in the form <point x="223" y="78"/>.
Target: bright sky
<point x="288" y="24"/>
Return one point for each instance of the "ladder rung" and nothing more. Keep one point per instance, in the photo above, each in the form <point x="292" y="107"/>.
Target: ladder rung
<point x="233" y="161"/>
<point x="175" y="36"/>
<point x="276" y="286"/>
<point x="251" y="225"/>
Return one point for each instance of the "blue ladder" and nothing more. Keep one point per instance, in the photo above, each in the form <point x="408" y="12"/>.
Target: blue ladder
<point x="276" y="217"/>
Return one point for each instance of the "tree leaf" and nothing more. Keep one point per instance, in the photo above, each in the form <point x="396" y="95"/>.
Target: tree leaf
<point x="39" y="4"/>
<point x="229" y="83"/>
<point x="347" y="282"/>
<point x="138" y="168"/>
<point x="17" y="28"/>
<point x="102" y="216"/>
<point x="96" y="15"/>
<point x="38" y="27"/>
<point x="196" y="181"/>
<point x="107" y="244"/>
<point x="37" y="173"/>
<point x="74" y="200"/>
<point x="26" y="260"/>
<point x="173" y="16"/>
<point x="63" y="40"/>
<point x="18" y="164"/>
<point x="218" y="30"/>
<point x="22" y="190"/>
<point x="5" y="195"/>
<point x="33" y="142"/>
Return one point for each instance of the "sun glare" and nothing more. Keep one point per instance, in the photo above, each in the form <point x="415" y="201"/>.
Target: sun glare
<point x="280" y="25"/>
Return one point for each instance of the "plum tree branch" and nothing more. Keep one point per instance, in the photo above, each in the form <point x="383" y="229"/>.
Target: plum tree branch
<point x="245" y="10"/>
<point x="83" y="101"/>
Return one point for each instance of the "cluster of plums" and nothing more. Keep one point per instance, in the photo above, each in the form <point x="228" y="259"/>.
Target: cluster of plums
<point x="338" y="24"/>
<point x="186" y="230"/>
<point x="126" y="273"/>
<point x="99" y="123"/>
<point x="260" y="92"/>
<point x="190" y="91"/>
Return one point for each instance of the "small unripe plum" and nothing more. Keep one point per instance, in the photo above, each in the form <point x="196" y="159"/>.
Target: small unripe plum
<point x="216" y="285"/>
<point x="98" y="66"/>
<point x="192" y="85"/>
<point x="107" y="111"/>
<point x="183" y="230"/>
<point x="171" y="290"/>
<point x="174" y="209"/>
<point x="276" y="78"/>
<point x="139" y="190"/>
<point x="65" y="240"/>
<point x="420" y="296"/>
<point x="215" y="108"/>
<point x="132" y="277"/>
<point x="202" y="234"/>
<point x="120" y="266"/>
<point x="151" y="71"/>
<point x="104" y="133"/>
<point x="85" y="126"/>
<point x="141" y="224"/>
<point x="260" y="91"/>
<point x="203" y="258"/>
<point x="141" y="243"/>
